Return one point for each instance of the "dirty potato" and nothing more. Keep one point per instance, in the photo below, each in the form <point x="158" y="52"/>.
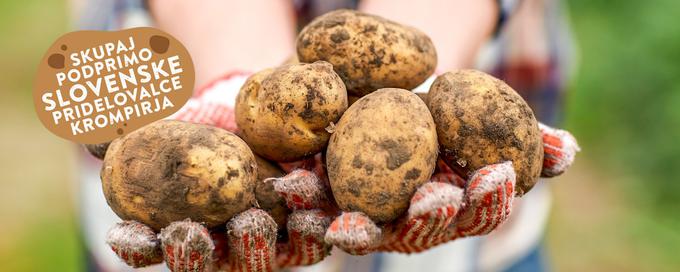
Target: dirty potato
<point x="267" y="198"/>
<point x="383" y="148"/>
<point x="172" y="170"/>
<point x="283" y="113"/>
<point x="367" y="51"/>
<point x="481" y="120"/>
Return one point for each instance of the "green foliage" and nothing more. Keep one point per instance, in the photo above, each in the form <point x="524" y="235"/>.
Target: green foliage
<point x="625" y="101"/>
<point x="624" y="106"/>
<point x="47" y="246"/>
<point x="39" y="230"/>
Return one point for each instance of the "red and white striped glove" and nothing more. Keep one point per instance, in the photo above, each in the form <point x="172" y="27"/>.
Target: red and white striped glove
<point x="429" y="220"/>
<point x="250" y="240"/>
<point x="446" y="208"/>
<point x="247" y="245"/>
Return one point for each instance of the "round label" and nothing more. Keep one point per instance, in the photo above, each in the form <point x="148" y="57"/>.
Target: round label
<point x="94" y="86"/>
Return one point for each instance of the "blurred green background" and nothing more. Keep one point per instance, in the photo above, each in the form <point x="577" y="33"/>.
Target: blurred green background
<point x="619" y="208"/>
<point x="616" y="209"/>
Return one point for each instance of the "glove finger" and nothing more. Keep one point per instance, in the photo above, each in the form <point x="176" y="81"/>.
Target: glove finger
<point x="252" y="241"/>
<point x="135" y="243"/>
<point x="301" y="189"/>
<point x="354" y="233"/>
<point x="431" y="211"/>
<point x="559" y="150"/>
<point x="488" y="200"/>
<point x="306" y="245"/>
<point x="187" y="246"/>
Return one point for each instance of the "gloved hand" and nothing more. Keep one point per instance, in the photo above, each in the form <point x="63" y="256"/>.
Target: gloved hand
<point x="447" y="208"/>
<point x="189" y="246"/>
<point x="249" y="240"/>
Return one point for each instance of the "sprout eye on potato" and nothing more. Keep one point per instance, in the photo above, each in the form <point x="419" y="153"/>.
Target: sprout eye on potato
<point x="171" y="170"/>
<point x="383" y="148"/>
<point x="283" y="113"/>
<point x="367" y="51"/>
<point x="481" y="121"/>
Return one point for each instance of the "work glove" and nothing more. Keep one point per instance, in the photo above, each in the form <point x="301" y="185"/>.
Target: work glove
<point x="446" y="208"/>
<point x="250" y="241"/>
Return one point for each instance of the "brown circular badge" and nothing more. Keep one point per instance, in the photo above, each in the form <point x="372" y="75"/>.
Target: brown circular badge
<point x="94" y="86"/>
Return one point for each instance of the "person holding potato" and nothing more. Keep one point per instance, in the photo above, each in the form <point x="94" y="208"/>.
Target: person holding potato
<point x="230" y="40"/>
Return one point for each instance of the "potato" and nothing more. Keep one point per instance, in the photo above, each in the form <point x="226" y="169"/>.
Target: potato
<point x="283" y="113"/>
<point x="367" y="51"/>
<point x="97" y="150"/>
<point x="267" y="198"/>
<point x="171" y="170"/>
<point x="481" y="120"/>
<point x="383" y="148"/>
<point x="351" y="98"/>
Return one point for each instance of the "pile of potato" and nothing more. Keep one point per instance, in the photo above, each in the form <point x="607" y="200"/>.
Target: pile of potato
<point x="378" y="150"/>
<point x="386" y="144"/>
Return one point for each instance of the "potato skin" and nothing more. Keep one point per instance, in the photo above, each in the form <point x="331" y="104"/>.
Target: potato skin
<point x="172" y="170"/>
<point x="267" y="198"/>
<point x="481" y="121"/>
<point x="383" y="148"/>
<point x="283" y="113"/>
<point x="367" y="51"/>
